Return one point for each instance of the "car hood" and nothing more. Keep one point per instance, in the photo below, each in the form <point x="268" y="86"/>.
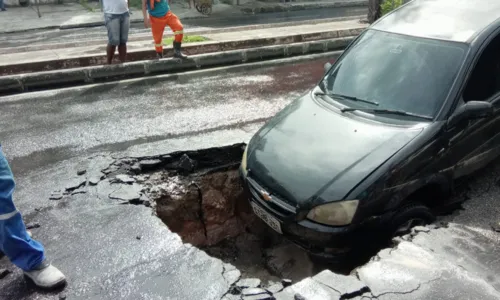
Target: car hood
<point x="309" y="154"/>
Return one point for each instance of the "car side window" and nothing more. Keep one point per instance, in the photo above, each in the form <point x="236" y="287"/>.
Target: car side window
<point x="484" y="81"/>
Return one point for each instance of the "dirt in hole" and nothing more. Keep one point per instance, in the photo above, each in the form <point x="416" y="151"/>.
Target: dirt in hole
<point x="200" y="196"/>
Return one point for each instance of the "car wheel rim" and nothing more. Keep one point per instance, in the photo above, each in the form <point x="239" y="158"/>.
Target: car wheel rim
<point x="405" y="227"/>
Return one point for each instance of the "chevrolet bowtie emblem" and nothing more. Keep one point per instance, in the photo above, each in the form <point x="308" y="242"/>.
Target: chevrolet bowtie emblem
<point x="265" y="196"/>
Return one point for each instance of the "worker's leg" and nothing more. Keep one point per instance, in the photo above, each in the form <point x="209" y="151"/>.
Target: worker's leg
<point x="175" y="24"/>
<point x="15" y="242"/>
<point x="124" y="29"/>
<point x="157" y="28"/>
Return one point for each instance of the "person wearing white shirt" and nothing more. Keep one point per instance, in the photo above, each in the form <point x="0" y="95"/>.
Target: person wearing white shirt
<point x="117" y="21"/>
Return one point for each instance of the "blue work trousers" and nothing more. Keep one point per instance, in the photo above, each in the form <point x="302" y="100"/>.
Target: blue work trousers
<point x="15" y="242"/>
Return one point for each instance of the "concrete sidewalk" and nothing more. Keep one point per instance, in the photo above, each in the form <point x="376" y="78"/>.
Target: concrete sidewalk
<point x="94" y="55"/>
<point x="74" y="15"/>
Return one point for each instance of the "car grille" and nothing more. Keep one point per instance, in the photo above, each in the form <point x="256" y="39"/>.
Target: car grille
<point x="276" y="205"/>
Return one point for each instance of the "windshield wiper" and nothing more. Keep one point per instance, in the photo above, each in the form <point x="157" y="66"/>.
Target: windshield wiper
<point x="388" y="111"/>
<point x="333" y="95"/>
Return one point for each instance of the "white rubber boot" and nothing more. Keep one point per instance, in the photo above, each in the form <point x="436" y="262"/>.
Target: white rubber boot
<point x="46" y="276"/>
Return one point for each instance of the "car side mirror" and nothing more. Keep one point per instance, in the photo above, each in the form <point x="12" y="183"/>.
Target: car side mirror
<point x="327" y="67"/>
<point x="471" y="110"/>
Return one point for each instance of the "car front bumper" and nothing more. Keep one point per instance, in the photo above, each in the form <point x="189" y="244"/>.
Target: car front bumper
<point x="333" y="243"/>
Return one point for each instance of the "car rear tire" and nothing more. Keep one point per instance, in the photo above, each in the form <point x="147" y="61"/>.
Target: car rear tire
<point x="410" y="216"/>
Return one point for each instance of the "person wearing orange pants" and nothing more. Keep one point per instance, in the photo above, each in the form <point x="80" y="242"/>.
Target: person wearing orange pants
<point x="161" y="16"/>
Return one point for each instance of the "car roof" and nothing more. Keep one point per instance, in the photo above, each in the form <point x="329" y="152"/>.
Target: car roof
<point x="453" y="20"/>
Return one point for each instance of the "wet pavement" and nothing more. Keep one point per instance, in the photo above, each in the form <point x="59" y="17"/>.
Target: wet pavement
<point x="41" y="129"/>
<point x="116" y="251"/>
<point x="38" y="37"/>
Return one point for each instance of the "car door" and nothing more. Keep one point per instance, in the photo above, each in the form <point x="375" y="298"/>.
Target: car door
<point x="473" y="144"/>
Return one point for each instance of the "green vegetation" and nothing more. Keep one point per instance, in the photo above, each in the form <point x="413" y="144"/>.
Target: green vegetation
<point x="135" y="3"/>
<point x="186" y="39"/>
<point x="389" y="5"/>
<point x="86" y="5"/>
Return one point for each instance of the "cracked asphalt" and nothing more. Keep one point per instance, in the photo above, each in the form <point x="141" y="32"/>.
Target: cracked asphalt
<point x="48" y="136"/>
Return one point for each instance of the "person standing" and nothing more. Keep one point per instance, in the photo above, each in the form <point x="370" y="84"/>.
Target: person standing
<point x="16" y="242"/>
<point x="117" y="21"/>
<point x="161" y="16"/>
<point x="2" y="5"/>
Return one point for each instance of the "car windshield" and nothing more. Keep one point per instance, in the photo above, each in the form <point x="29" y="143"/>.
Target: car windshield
<point x="396" y="72"/>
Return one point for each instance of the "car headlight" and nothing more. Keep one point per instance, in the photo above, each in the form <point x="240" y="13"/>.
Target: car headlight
<point x="335" y="213"/>
<point x="244" y="161"/>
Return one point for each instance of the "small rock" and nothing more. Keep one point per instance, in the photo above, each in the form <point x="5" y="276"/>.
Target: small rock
<point x="62" y="296"/>
<point x="275" y="288"/>
<point x="186" y="164"/>
<point x="286" y="282"/>
<point x="299" y="297"/>
<point x="81" y="172"/>
<point x="138" y="237"/>
<point x="124" y="178"/>
<point x="253" y="291"/>
<point x="149" y="163"/>
<point x="56" y="195"/>
<point x="495" y="227"/>
<point x="4" y="272"/>
<point x="249" y="283"/>
<point x="32" y="225"/>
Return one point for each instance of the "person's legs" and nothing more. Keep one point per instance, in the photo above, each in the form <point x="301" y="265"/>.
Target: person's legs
<point x="157" y="28"/>
<point x="15" y="242"/>
<point x="112" y="23"/>
<point x="175" y="24"/>
<point x="124" y="29"/>
<point x="2" y="5"/>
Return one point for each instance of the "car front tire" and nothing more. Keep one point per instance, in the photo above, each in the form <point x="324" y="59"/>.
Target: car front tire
<point x="410" y="216"/>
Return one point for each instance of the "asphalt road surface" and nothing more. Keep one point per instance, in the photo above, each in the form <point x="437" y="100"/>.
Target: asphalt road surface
<point x="82" y="34"/>
<point x="49" y="135"/>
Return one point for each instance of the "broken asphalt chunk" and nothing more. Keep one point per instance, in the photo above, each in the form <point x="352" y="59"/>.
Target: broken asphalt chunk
<point x="275" y="288"/>
<point x="232" y="276"/>
<point x="149" y="164"/>
<point x="126" y="193"/>
<point x="94" y="180"/>
<point x="57" y="195"/>
<point x="259" y="297"/>
<point x="286" y="282"/>
<point x="253" y="291"/>
<point x="81" y="172"/>
<point x="124" y="178"/>
<point x="75" y="183"/>
<point x="4" y="273"/>
<point x="249" y="283"/>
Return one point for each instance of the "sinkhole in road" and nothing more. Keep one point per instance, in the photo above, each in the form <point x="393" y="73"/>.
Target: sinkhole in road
<point x="199" y="195"/>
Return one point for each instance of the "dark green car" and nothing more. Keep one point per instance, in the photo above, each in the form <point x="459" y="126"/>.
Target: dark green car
<point x="409" y="107"/>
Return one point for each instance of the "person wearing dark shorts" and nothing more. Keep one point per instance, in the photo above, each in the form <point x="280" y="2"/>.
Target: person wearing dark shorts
<point x="117" y="21"/>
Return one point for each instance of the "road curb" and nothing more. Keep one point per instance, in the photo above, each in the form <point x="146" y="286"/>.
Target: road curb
<point x="83" y="76"/>
<point x="147" y="36"/>
<point x="190" y="49"/>
<point x="305" y="6"/>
